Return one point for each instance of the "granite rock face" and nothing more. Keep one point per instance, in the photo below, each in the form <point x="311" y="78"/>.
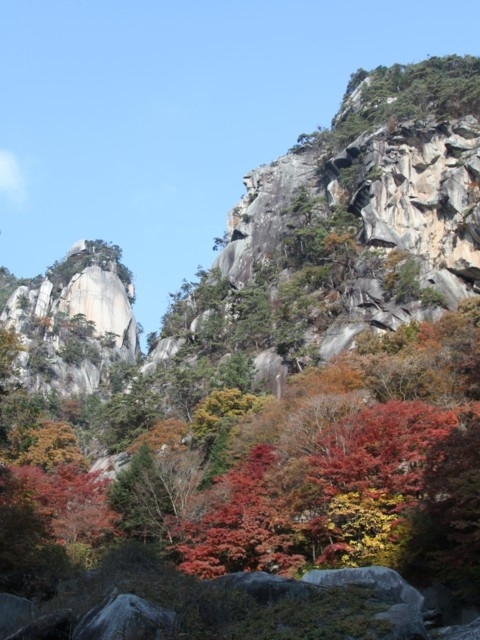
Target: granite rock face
<point x="414" y="191"/>
<point x="257" y="223"/>
<point x="417" y="191"/>
<point x="73" y="323"/>
<point x="101" y="297"/>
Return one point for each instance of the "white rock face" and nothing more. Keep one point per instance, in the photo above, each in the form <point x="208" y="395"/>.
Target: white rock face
<point x="110" y="466"/>
<point x="420" y="193"/>
<point x="96" y="293"/>
<point x="101" y="297"/>
<point x="43" y="300"/>
<point x="424" y="199"/>
<point x="256" y="222"/>
<point x="416" y="191"/>
<point x="271" y="373"/>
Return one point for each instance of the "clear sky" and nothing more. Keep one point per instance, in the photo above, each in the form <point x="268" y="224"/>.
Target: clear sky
<point x="134" y="122"/>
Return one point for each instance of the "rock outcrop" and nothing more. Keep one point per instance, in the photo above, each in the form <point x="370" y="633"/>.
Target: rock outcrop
<point x="377" y="599"/>
<point x="126" y="617"/>
<point x="256" y="223"/>
<point x="264" y="588"/>
<point x="15" y="612"/>
<point x="412" y="190"/>
<point x="75" y="322"/>
<point x="52" y="626"/>
<point x="416" y="191"/>
<point x="386" y="583"/>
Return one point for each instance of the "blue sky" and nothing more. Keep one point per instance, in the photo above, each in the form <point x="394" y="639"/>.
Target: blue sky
<point x="134" y="123"/>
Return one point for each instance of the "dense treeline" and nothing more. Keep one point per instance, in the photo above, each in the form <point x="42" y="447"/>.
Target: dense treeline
<point x="371" y="459"/>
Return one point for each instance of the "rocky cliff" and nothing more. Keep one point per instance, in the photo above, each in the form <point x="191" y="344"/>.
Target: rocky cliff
<point x="75" y="321"/>
<point x="416" y="190"/>
<point x="367" y="226"/>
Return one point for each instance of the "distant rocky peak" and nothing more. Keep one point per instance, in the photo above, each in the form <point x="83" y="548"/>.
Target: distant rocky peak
<point x="87" y="253"/>
<point x="75" y="320"/>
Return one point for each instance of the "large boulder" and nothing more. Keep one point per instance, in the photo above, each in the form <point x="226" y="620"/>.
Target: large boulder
<point x="264" y="587"/>
<point x="14" y="613"/>
<point x="126" y="617"/>
<point x="406" y="604"/>
<point x="403" y="618"/>
<point x="387" y="584"/>
<point x="461" y="632"/>
<point x="53" y="626"/>
<point x="405" y="621"/>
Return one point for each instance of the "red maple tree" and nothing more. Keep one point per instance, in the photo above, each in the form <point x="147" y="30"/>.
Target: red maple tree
<point x="383" y="447"/>
<point x="243" y="530"/>
<point x="74" y="501"/>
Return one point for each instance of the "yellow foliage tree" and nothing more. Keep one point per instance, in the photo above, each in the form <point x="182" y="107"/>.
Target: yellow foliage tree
<point x="366" y="529"/>
<point x="220" y="404"/>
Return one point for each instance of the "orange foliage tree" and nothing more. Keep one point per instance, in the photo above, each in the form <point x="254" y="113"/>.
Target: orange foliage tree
<point x="164" y="433"/>
<point x="49" y="444"/>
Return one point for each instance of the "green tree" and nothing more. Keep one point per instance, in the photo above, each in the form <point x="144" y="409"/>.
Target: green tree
<point x="187" y="383"/>
<point x="19" y="416"/>
<point x="139" y="518"/>
<point x="81" y="327"/>
<point x="251" y="313"/>
<point x="129" y="413"/>
<point x="235" y="372"/>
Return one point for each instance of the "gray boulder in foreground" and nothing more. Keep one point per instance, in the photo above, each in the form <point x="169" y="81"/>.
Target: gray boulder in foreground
<point x="462" y="632"/>
<point x="406" y="623"/>
<point x="387" y="584"/>
<point x="15" y="612"/>
<point x="403" y="615"/>
<point x="52" y="626"/>
<point x="265" y="588"/>
<point x="126" y="617"/>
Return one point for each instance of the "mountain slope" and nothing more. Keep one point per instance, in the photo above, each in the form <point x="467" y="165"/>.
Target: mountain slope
<point x="367" y="226"/>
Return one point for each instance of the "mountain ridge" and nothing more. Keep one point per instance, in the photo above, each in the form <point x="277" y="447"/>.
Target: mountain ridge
<point x="369" y="225"/>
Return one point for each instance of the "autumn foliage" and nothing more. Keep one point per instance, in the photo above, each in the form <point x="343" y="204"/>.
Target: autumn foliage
<point x="382" y="447"/>
<point x="73" y="501"/>
<point x="24" y="528"/>
<point x="65" y="505"/>
<point x="242" y="529"/>
<point x="370" y="459"/>
<point x="452" y="500"/>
